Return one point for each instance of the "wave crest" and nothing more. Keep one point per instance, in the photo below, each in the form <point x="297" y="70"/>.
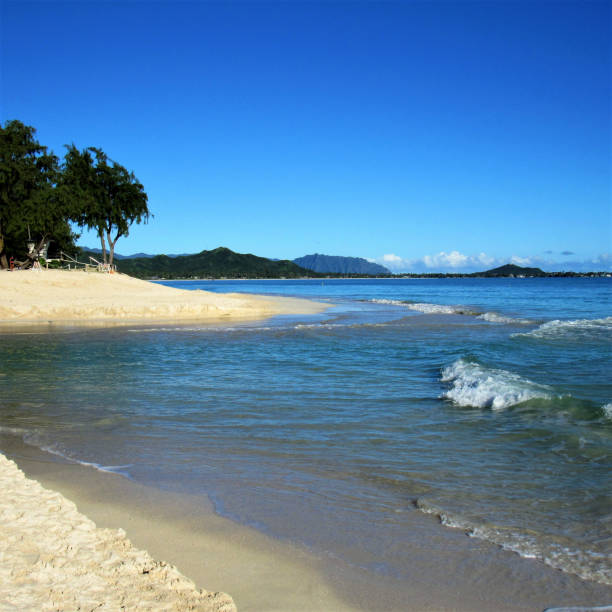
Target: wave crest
<point x="426" y="307"/>
<point x="493" y="317"/>
<point x="480" y="387"/>
<point x="552" y="330"/>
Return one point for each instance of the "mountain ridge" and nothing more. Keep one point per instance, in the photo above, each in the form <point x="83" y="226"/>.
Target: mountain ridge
<point x="217" y="263"/>
<point x="225" y="263"/>
<point x="337" y="264"/>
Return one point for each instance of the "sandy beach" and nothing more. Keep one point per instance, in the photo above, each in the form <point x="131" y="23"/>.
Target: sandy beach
<point x="55" y="558"/>
<point x="92" y="298"/>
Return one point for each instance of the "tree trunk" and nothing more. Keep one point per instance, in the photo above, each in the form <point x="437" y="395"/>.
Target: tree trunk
<point x="3" y="261"/>
<point x="111" y="245"/>
<point x="111" y="248"/>
<point x="103" y="248"/>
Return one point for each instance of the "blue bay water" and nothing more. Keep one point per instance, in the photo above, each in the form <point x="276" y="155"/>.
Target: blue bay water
<point x="487" y="402"/>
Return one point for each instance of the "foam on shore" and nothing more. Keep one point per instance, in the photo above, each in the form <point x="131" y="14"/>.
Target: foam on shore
<point x="55" y="558"/>
<point x="61" y="296"/>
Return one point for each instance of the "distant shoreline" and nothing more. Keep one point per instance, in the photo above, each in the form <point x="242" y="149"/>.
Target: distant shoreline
<point x="391" y="277"/>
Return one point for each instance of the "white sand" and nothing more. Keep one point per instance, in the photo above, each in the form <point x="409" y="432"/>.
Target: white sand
<point x="92" y="297"/>
<point x="54" y="558"/>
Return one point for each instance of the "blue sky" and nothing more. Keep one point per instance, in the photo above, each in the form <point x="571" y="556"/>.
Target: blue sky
<point x="423" y="135"/>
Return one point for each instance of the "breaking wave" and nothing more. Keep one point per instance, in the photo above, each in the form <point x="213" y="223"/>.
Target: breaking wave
<point x="427" y="308"/>
<point x="493" y="317"/>
<point x="578" y="329"/>
<point x="477" y="386"/>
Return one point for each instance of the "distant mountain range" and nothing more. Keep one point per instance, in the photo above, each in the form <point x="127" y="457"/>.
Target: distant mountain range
<point x="322" y="264"/>
<point x="224" y="263"/>
<point x="334" y="264"/>
<point x="134" y="256"/>
<point x="218" y="263"/>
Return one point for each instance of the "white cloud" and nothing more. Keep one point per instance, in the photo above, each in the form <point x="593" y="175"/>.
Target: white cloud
<point x="455" y="261"/>
<point x="483" y="258"/>
<point x="521" y="261"/>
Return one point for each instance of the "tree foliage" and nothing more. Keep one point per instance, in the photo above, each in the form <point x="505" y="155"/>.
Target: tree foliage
<point x="31" y="206"/>
<point x="111" y="197"/>
<point x="39" y="197"/>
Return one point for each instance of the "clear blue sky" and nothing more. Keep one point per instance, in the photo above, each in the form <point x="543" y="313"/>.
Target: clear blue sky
<point x="432" y="133"/>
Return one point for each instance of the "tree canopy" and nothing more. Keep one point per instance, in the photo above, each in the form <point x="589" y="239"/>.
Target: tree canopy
<point x="30" y="203"/>
<point x="39" y="197"/>
<point x="111" y="197"/>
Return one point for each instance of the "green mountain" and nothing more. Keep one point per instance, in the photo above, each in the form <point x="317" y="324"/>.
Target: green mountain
<point x="512" y="270"/>
<point x="218" y="263"/>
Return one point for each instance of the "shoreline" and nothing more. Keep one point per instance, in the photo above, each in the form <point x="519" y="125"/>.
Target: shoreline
<point x="184" y="530"/>
<point x="451" y="571"/>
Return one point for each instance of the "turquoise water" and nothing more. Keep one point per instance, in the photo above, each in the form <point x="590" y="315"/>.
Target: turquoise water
<point x="487" y="402"/>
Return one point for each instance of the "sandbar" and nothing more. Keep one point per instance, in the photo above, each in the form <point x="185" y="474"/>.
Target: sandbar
<point x="93" y="298"/>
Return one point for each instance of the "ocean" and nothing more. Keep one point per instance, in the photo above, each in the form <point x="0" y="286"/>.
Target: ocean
<point x="485" y="402"/>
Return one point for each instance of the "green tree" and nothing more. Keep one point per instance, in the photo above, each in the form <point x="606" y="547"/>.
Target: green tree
<point x="30" y="203"/>
<point x="111" y="197"/>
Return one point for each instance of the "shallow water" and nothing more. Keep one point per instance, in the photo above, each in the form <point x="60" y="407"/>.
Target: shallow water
<point x="485" y="401"/>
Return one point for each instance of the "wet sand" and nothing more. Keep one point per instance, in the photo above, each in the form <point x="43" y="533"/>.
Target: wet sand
<point x="451" y="571"/>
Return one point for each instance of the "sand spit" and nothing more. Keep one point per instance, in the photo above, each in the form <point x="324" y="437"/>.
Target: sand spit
<point x="90" y="297"/>
<point x="54" y="558"/>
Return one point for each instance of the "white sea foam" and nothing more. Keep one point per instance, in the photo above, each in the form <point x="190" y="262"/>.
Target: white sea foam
<point x="578" y="327"/>
<point x="607" y="408"/>
<point x="589" y="565"/>
<point x="493" y="317"/>
<point x="202" y="328"/>
<point x="32" y="438"/>
<point x="330" y="326"/>
<point x="426" y="307"/>
<point x="475" y="385"/>
<point x="110" y="469"/>
<point x="320" y="325"/>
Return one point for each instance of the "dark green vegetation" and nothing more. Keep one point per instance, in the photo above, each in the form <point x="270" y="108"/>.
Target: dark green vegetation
<point x="39" y="197"/>
<point x="218" y="263"/>
<point x="111" y="198"/>
<point x="340" y="265"/>
<point x="512" y="270"/>
<point x="32" y="207"/>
